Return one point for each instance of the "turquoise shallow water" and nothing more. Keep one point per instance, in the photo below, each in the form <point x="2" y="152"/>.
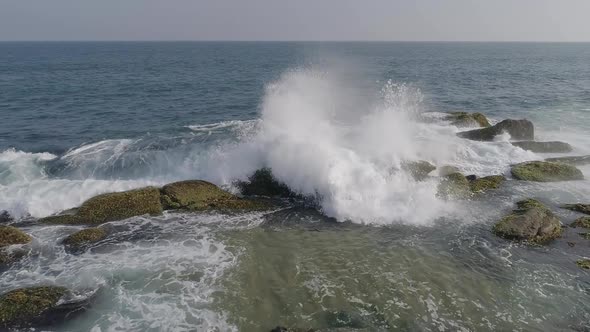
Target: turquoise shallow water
<point x="335" y="120"/>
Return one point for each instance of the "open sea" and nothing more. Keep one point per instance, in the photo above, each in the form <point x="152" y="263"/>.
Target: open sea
<point x="380" y="252"/>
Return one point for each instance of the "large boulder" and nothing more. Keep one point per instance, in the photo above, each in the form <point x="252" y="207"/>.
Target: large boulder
<point x="573" y="160"/>
<point x="80" y="240"/>
<point x="518" y="130"/>
<point x="419" y="170"/>
<point x="454" y="185"/>
<point x="531" y="221"/>
<point x="544" y="147"/>
<point x="38" y="306"/>
<point x="199" y="195"/>
<point x="583" y="208"/>
<point x="11" y="235"/>
<point x="486" y="183"/>
<point x="263" y="183"/>
<point x="542" y="171"/>
<point x="464" y="119"/>
<point x="113" y="206"/>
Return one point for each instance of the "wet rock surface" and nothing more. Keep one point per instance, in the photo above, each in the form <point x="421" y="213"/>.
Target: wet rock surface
<point x="542" y="171"/>
<point x="518" y="130"/>
<point x="531" y="221"/>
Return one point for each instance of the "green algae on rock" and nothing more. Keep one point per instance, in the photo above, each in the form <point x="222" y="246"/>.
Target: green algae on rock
<point x="531" y="221"/>
<point x="21" y="307"/>
<point x="11" y="235"/>
<point x="419" y="170"/>
<point x="582" y="222"/>
<point x="584" y="263"/>
<point x="113" y="206"/>
<point x="486" y="183"/>
<point x="454" y="185"/>
<point x="197" y="195"/>
<point x="85" y="237"/>
<point x="542" y="171"/>
<point x="465" y="119"/>
<point x="582" y="208"/>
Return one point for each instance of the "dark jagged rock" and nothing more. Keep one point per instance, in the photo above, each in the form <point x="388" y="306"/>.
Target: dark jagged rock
<point x="471" y="177"/>
<point x="531" y="221"/>
<point x="583" y="208"/>
<point x="419" y="170"/>
<point x="464" y="119"/>
<point x="454" y="185"/>
<point x="38" y="306"/>
<point x="544" y="147"/>
<point x="582" y="222"/>
<point x="486" y="183"/>
<point x="5" y="217"/>
<point x="80" y="240"/>
<point x="518" y="130"/>
<point x="574" y="160"/>
<point x="113" y="206"/>
<point x="263" y="183"/>
<point x="542" y="171"/>
<point x="584" y="263"/>
<point x="196" y="195"/>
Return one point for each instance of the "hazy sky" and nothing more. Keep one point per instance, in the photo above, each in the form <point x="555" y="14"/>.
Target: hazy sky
<point x="481" y="20"/>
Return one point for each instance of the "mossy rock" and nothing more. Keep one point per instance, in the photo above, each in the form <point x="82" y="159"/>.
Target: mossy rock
<point x="542" y="171"/>
<point x="465" y="119"/>
<point x="486" y="183"/>
<point x="113" y="206"/>
<point x="454" y="185"/>
<point x="582" y="222"/>
<point x="11" y="235"/>
<point x="85" y="237"/>
<point x="531" y="221"/>
<point x="582" y="208"/>
<point x="584" y="263"/>
<point x="585" y="235"/>
<point x="518" y="130"/>
<point x="263" y="183"/>
<point x="196" y="195"/>
<point x="544" y="147"/>
<point x="572" y="160"/>
<point x="24" y="307"/>
<point x="419" y="170"/>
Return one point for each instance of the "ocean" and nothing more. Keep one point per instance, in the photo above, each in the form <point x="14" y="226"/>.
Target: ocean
<point x="378" y="251"/>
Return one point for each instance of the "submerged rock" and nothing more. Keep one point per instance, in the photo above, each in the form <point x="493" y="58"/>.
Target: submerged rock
<point x="544" y="147"/>
<point x="37" y="306"/>
<point x="518" y="130"/>
<point x="574" y="160"/>
<point x="263" y="183"/>
<point x="582" y="222"/>
<point x="583" y="208"/>
<point x="531" y="221"/>
<point x="584" y="263"/>
<point x="419" y="170"/>
<point x="454" y="185"/>
<point x="465" y="119"/>
<point x="113" y="206"/>
<point x="486" y="183"/>
<point x="81" y="239"/>
<point x="542" y="171"/>
<point x="196" y="195"/>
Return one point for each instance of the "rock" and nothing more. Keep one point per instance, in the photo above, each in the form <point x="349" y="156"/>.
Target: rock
<point x="199" y="195"/>
<point x="574" y="160"/>
<point x="81" y="239"/>
<point x="11" y="235"/>
<point x="544" y="147"/>
<point x="5" y="217"/>
<point x="447" y="169"/>
<point x="518" y="130"/>
<point x="531" y="221"/>
<point x="464" y="119"/>
<point x="263" y="183"/>
<point x="585" y="235"/>
<point x="542" y="171"/>
<point x="38" y="306"/>
<point x="582" y="222"/>
<point x="419" y="170"/>
<point x="454" y="185"/>
<point x="584" y="263"/>
<point x="113" y="206"/>
<point x="583" y="208"/>
<point x="486" y="183"/>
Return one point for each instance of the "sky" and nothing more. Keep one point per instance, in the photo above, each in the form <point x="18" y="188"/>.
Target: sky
<point x="310" y="20"/>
